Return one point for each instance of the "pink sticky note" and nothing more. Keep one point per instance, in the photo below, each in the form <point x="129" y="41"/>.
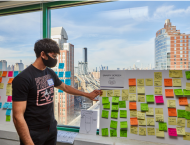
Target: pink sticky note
<point x="10" y="74"/>
<point x="159" y="99"/>
<point x="9" y="99"/>
<point x="0" y="98"/>
<point x="172" y="132"/>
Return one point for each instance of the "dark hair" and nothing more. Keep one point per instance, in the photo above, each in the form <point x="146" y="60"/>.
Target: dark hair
<point x="47" y="45"/>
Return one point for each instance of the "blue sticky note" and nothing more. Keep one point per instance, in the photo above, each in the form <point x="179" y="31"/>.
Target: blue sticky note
<point x="10" y="106"/>
<point x="56" y="72"/>
<point x="61" y="74"/>
<point x="0" y="105"/>
<point x="15" y="73"/>
<point x="6" y="105"/>
<point x="61" y="65"/>
<point x="68" y="82"/>
<point x="8" y="112"/>
<point x="62" y="81"/>
<point x="60" y="91"/>
<point x="68" y="74"/>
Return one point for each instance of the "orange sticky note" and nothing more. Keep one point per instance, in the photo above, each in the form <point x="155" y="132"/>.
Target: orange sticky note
<point x="132" y="105"/>
<point x="132" y="82"/>
<point x="183" y="101"/>
<point x="0" y="79"/>
<point x="169" y="93"/>
<point x="133" y="121"/>
<point x="172" y="112"/>
<point x="168" y="82"/>
<point x="4" y="74"/>
<point x="10" y="80"/>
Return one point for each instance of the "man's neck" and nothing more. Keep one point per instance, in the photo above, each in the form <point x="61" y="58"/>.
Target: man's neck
<point x="39" y="64"/>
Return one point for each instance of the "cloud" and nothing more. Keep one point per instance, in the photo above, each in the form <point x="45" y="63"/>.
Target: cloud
<point x="138" y="60"/>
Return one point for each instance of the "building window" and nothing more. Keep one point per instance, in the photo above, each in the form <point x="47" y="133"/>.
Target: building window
<point x="174" y="66"/>
<point x="184" y="59"/>
<point x="175" y="37"/>
<point x="184" y="51"/>
<point x="174" y="44"/>
<point x="185" y="44"/>
<point x="184" y="62"/>
<point x="181" y="55"/>
<point x="181" y="44"/>
<point x="174" y="59"/>
<point x="171" y="28"/>
<point x="181" y="59"/>
<point x="184" y="40"/>
<point x="181" y="40"/>
<point x="174" y="52"/>
<point x="181" y="66"/>
<point x="181" y="62"/>
<point x="174" y="41"/>
<point x="181" y="51"/>
<point x="181" y="37"/>
<point x="174" y="48"/>
<point x="174" y="62"/>
<point x="181" y="48"/>
<point x="185" y="48"/>
<point x="189" y="36"/>
<point x="185" y="36"/>
<point x="185" y="55"/>
<point x="174" y="55"/>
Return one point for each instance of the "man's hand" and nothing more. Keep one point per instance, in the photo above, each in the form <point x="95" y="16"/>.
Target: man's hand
<point x="94" y="94"/>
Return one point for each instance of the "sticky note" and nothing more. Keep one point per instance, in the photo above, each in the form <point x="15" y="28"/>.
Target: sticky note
<point x="68" y="74"/>
<point x="132" y="105"/>
<point x="157" y="75"/>
<point x="8" y="118"/>
<point x="187" y="115"/>
<point x="188" y="123"/>
<point x="142" y="122"/>
<point x="4" y="74"/>
<point x="151" y="131"/>
<point x="159" y="117"/>
<point x="106" y="106"/>
<point x="133" y="113"/>
<point x="159" y="133"/>
<point x="133" y="129"/>
<point x="177" y="82"/>
<point x="172" y="131"/>
<point x="149" y="82"/>
<point x="61" y="66"/>
<point x="8" y="112"/>
<point x="8" y="92"/>
<point x="113" y="124"/>
<point x="187" y="86"/>
<point x="132" y="97"/>
<point x="105" y="132"/>
<point x="122" y="104"/>
<point x="158" y="110"/>
<point x="150" y="111"/>
<point x="187" y="108"/>
<point x="169" y="93"/>
<point x="141" y="98"/>
<point x="157" y="82"/>
<point x="180" y="130"/>
<point x="113" y="133"/>
<point x="168" y="82"/>
<point x="10" y="106"/>
<point x="9" y="99"/>
<point x="180" y="113"/>
<point x="115" y="99"/>
<point x="68" y="82"/>
<point x="117" y="93"/>
<point x="144" y="107"/>
<point x="181" y="122"/>
<point x="172" y="112"/>
<point x="1" y="85"/>
<point x="10" y="80"/>
<point x="115" y="107"/>
<point x="105" y="114"/>
<point x="125" y="95"/>
<point x="9" y="86"/>
<point x="150" y="121"/>
<point x="1" y="73"/>
<point x="186" y="92"/>
<point x="114" y="114"/>
<point x="123" y="124"/>
<point x="158" y="90"/>
<point x="123" y="113"/>
<point x="104" y="93"/>
<point x="183" y="101"/>
<point x="15" y="73"/>
<point x="5" y="105"/>
<point x="140" y="90"/>
<point x="123" y="133"/>
<point x="109" y="93"/>
<point x="178" y="92"/>
<point x="186" y="136"/>
<point x="60" y="91"/>
<point x="187" y="73"/>
<point x="132" y="89"/>
<point x="171" y="103"/>
<point x="172" y="121"/>
<point x="163" y="126"/>
<point x="175" y="73"/>
<point x="133" y="121"/>
<point x="0" y="79"/>
<point x="0" y="105"/>
<point x="150" y="98"/>
<point x="10" y="74"/>
<point x="132" y="82"/>
<point x="140" y="82"/>
<point x="142" y="131"/>
<point x="140" y="115"/>
<point x="61" y="74"/>
<point x="159" y="99"/>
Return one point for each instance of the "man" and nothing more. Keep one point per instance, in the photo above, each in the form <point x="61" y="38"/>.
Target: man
<point x="33" y="91"/>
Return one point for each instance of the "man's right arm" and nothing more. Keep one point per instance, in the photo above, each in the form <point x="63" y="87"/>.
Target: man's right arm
<point x="19" y="108"/>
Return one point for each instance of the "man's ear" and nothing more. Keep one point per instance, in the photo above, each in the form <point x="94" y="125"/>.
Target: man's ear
<point x="43" y="55"/>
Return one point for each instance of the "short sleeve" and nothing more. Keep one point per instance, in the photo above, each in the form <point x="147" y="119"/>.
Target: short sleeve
<point x="20" y="88"/>
<point x="57" y="81"/>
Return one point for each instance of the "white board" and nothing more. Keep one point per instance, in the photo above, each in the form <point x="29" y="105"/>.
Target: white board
<point x="149" y="90"/>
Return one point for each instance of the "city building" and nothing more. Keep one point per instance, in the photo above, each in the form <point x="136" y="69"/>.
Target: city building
<point x="19" y="66"/>
<point x="172" y="48"/>
<point x="3" y="65"/>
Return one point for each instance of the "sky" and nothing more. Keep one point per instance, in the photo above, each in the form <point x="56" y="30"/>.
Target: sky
<point x="117" y="34"/>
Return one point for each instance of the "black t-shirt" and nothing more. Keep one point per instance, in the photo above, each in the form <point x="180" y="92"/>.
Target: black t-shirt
<point x="37" y="88"/>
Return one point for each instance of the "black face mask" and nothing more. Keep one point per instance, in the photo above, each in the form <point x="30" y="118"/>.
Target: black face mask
<point x="50" y="62"/>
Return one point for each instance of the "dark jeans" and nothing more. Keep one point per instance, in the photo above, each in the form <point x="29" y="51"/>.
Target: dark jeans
<point x="45" y="136"/>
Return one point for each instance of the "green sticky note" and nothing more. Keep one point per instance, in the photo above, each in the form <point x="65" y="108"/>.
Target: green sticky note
<point x="123" y="113"/>
<point x="181" y="113"/>
<point x="115" y="107"/>
<point x="144" y="107"/>
<point x="163" y="126"/>
<point x="187" y="73"/>
<point x="113" y="124"/>
<point x="114" y="114"/>
<point x="105" y="114"/>
<point x="123" y="133"/>
<point x="178" y="92"/>
<point x="105" y="100"/>
<point x="115" y="99"/>
<point x="104" y="131"/>
<point x="187" y="115"/>
<point x="150" y="98"/>
<point x="106" y="106"/>
<point x="113" y="133"/>
<point x="8" y="118"/>
<point x="122" y="104"/>
<point x="123" y="124"/>
<point x="186" y="92"/>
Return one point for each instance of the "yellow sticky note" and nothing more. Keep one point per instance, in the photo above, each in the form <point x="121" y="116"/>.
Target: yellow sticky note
<point x="187" y="86"/>
<point x="8" y="92"/>
<point x="186" y="136"/>
<point x="172" y="121"/>
<point x="159" y="117"/>
<point x="158" y="110"/>
<point x="117" y="93"/>
<point x="181" y="121"/>
<point x="157" y="82"/>
<point x="150" y="111"/>
<point x="132" y="97"/>
<point x="109" y="93"/>
<point x="180" y="130"/>
<point x="141" y="98"/>
<point x="142" y="131"/>
<point x="175" y="74"/>
<point x="157" y="75"/>
<point x="158" y="90"/>
<point x="176" y="82"/>
<point x="1" y="73"/>
<point x="104" y="93"/>
<point x="159" y="133"/>
<point x="132" y="89"/>
<point x="150" y="121"/>
<point x="171" y="103"/>
<point x="125" y="95"/>
<point x="140" y="90"/>
<point x="133" y="113"/>
<point x="140" y="82"/>
<point x="151" y="131"/>
<point x="189" y="104"/>
<point x="140" y="115"/>
<point x="9" y="86"/>
<point x="133" y="130"/>
<point x="188" y="123"/>
<point x="1" y="85"/>
<point x="187" y="108"/>
<point x="149" y="82"/>
<point x="142" y="122"/>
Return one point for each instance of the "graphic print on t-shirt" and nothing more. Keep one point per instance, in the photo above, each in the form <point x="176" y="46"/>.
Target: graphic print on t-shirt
<point x="45" y="92"/>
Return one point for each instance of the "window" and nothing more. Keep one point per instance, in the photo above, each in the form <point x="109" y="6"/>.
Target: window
<point x="185" y="55"/>
<point x="174" y="59"/>
<point x="181" y="55"/>
<point x="181" y="37"/>
<point x="181" y="44"/>
<point x="185" y="44"/>
<point x="174" y="66"/>
<point x="184" y="51"/>
<point x="171" y="28"/>
<point x="181" y="66"/>
<point x="174" y="62"/>
<point x="181" y="62"/>
<point x="174" y="37"/>
<point x="189" y="36"/>
<point x="175" y="48"/>
<point x="174" y="52"/>
<point x="181" y="40"/>
<point x="184" y="62"/>
<point x="174" y="44"/>
<point x="185" y="48"/>
<point x="181" y="59"/>
<point x="181" y="48"/>
<point x="174" y="41"/>
<point x="174" y="55"/>
<point x="185" y="36"/>
<point x="181" y="51"/>
<point x="184" y="59"/>
<point x="185" y="40"/>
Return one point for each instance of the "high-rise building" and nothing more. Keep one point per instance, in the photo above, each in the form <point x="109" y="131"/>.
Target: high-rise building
<point x="172" y="48"/>
<point x="19" y="66"/>
<point x="3" y="65"/>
